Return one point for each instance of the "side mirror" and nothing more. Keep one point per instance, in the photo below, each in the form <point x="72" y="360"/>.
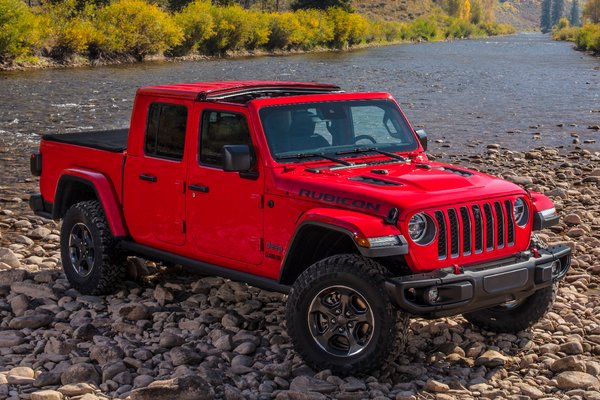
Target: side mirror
<point x="237" y="158"/>
<point x="422" y="137"/>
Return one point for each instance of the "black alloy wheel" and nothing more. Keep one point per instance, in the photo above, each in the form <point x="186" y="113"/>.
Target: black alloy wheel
<point x="341" y="321"/>
<point x="81" y="249"/>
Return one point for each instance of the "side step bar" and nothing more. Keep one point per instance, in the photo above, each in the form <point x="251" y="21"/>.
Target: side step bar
<point x="206" y="268"/>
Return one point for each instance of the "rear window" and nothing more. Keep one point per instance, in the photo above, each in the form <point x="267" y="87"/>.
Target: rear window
<point x="165" y="131"/>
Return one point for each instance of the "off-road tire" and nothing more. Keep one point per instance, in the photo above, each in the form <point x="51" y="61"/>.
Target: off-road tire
<point x="108" y="267"/>
<point x="518" y="318"/>
<point x="367" y="278"/>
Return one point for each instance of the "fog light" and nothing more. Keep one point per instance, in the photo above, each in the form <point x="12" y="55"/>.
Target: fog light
<point x="431" y="295"/>
<point x="555" y="268"/>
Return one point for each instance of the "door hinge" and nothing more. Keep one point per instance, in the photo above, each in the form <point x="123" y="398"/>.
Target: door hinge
<point x="183" y="226"/>
<point x="256" y="242"/>
<point x="259" y="198"/>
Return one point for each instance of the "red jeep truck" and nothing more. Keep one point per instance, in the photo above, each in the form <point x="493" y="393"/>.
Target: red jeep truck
<point x="307" y="190"/>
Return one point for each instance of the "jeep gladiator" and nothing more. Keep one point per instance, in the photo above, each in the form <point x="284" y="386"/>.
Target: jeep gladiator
<point x="304" y="189"/>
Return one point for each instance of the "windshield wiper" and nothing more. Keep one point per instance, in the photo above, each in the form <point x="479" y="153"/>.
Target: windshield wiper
<point x="314" y="155"/>
<point x="373" y="150"/>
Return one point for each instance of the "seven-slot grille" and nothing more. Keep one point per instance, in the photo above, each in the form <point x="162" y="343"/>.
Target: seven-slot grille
<point x="476" y="228"/>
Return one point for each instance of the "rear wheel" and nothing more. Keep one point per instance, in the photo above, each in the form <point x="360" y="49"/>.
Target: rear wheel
<point x="90" y="258"/>
<point x="339" y="316"/>
<point x="516" y="315"/>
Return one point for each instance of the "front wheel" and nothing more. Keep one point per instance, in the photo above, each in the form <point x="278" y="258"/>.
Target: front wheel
<point x="90" y="258"/>
<point x="517" y="315"/>
<point x="340" y="318"/>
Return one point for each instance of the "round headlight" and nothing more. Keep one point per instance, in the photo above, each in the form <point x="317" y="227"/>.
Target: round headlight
<point x="421" y="229"/>
<point x="417" y="226"/>
<point x="520" y="212"/>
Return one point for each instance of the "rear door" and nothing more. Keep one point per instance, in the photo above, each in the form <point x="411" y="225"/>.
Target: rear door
<point x="224" y="213"/>
<point x="155" y="176"/>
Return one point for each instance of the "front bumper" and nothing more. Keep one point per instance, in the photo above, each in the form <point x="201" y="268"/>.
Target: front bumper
<point x="478" y="286"/>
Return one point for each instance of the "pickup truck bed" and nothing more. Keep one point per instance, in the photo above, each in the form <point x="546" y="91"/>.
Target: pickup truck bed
<point x="114" y="140"/>
<point x="77" y="155"/>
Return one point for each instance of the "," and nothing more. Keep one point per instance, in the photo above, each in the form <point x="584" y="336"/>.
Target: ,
<point x="304" y="189"/>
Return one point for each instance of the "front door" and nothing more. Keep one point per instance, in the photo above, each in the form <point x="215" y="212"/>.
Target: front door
<point x="155" y="178"/>
<point x="224" y="209"/>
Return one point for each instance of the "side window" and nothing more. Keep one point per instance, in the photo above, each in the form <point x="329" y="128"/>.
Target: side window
<point x="165" y="130"/>
<point x="220" y="128"/>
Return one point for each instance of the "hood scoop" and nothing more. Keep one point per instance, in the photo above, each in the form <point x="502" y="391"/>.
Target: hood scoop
<point x="457" y="171"/>
<point x="374" y="181"/>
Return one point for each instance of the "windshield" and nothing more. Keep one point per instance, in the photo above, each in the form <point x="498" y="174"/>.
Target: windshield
<point x="335" y="127"/>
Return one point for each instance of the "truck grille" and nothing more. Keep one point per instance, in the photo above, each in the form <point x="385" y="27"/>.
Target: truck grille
<point x="476" y="228"/>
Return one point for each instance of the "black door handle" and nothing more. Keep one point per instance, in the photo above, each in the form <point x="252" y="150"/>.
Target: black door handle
<point x="198" y="188"/>
<point x="149" y="178"/>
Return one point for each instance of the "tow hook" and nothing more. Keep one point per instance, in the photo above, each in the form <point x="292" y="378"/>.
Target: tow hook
<point x="536" y="244"/>
<point x="457" y="269"/>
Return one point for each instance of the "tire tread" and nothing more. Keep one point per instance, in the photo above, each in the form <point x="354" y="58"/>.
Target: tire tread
<point x="111" y="265"/>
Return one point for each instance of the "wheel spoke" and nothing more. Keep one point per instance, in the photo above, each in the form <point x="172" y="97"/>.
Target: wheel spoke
<point x="87" y="239"/>
<point x="78" y="264"/>
<point x="346" y="299"/>
<point x="319" y="307"/>
<point x="325" y="337"/>
<point x="75" y="240"/>
<point x="354" y="346"/>
<point x="362" y="317"/>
